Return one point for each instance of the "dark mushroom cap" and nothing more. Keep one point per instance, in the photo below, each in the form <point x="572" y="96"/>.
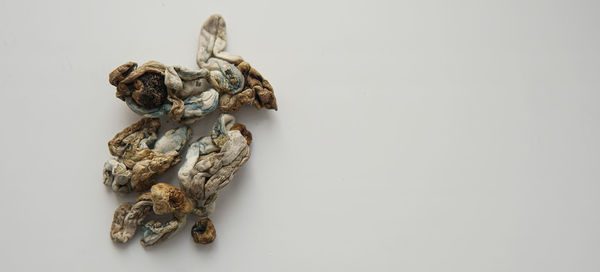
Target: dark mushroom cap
<point x="204" y="232"/>
<point x="150" y="90"/>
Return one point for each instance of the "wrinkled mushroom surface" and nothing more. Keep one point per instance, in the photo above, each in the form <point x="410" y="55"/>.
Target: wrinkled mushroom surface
<point x="162" y="199"/>
<point x="212" y="161"/>
<point x="237" y="82"/>
<point x="203" y="232"/>
<point x="155" y="89"/>
<point x="139" y="155"/>
<point x="223" y="81"/>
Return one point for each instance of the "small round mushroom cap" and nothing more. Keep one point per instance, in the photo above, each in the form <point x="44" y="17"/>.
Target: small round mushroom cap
<point x="150" y="90"/>
<point x="168" y="199"/>
<point x="203" y="232"/>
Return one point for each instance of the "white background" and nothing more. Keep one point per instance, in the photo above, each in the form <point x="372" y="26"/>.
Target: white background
<point x="411" y="136"/>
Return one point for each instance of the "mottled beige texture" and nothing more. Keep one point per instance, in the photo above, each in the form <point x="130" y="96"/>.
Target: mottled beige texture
<point x="127" y="218"/>
<point x="256" y="91"/>
<point x="136" y="164"/>
<point x="168" y="199"/>
<point x="224" y="81"/>
<point x="162" y="199"/>
<point x="213" y="40"/>
<point x="212" y="161"/>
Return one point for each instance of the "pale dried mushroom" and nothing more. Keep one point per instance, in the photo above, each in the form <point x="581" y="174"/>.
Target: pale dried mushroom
<point x="224" y="81"/>
<point x="212" y="161"/>
<point x="155" y="89"/>
<point x="162" y="199"/>
<point x="140" y="155"/>
<point x="213" y="40"/>
<point x="237" y="82"/>
<point x="256" y="91"/>
<point x="186" y="95"/>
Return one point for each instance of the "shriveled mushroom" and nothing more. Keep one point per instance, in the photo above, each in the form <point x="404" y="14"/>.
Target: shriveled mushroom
<point x="203" y="232"/>
<point x="186" y="95"/>
<point x="128" y="216"/>
<point x="162" y="199"/>
<point x="224" y="81"/>
<point x="212" y="161"/>
<point x="213" y="40"/>
<point x="237" y="82"/>
<point x="155" y="89"/>
<point x="140" y="155"/>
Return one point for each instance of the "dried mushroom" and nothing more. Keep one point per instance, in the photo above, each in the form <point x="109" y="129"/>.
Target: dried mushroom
<point x="203" y="232"/>
<point x="186" y="95"/>
<point x="237" y="82"/>
<point x="140" y="155"/>
<point x="155" y="89"/>
<point x="162" y="199"/>
<point x="211" y="162"/>
<point x="224" y="81"/>
<point x="256" y="91"/>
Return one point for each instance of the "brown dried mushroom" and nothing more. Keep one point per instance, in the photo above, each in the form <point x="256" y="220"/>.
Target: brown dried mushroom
<point x="224" y="80"/>
<point x="145" y="85"/>
<point x="237" y="82"/>
<point x="162" y="199"/>
<point x="155" y="89"/>
<point x="140" y="155"/>
<point x="210" y="164"/>
<point x="203" y="232"/>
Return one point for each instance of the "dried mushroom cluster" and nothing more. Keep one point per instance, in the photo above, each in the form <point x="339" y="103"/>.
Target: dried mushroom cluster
<point x="223" y="80"/>
<point x="185" y="95"/>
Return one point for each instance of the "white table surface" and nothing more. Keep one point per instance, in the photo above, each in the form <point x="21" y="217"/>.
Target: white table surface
<point x="411" y="136"/>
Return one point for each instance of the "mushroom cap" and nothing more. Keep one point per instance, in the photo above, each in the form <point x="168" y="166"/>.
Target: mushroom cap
<point x="168" y="199"/>
<point x="203" y="232"/>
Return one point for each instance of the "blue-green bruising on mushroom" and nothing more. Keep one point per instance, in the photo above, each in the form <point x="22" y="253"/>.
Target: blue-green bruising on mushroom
<point x="153" y="113"/>
<point x="226" y="78"/>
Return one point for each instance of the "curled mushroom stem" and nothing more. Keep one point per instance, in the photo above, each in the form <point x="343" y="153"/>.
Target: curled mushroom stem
<point x="204" y="211"/>
<point x="127" y="218"/>
<point x="213" y="40"/>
